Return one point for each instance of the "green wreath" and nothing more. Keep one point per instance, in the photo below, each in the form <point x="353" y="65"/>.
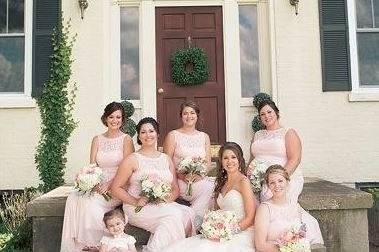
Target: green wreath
<point x="179" y="61"/>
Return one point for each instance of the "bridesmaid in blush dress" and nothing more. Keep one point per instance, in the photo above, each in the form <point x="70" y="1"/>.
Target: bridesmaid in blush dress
<point x="279" y="145"/>
<point x="276" y="216"/>
<point x="184" y="142"/>
<point x="168" y="221"/>
<point x="83" y="226"/>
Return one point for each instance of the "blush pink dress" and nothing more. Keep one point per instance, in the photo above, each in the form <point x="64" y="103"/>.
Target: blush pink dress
<point x="83" y="218"/>
<point x="167" y="222"/>
<point x="201" y="198"/>
<point x="269" y="146"/>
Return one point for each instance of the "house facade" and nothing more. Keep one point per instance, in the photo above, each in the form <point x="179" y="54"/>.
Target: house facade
<point x="320" y="67"/>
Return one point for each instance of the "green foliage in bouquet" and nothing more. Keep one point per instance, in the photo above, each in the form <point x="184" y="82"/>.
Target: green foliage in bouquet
<point x="18" y="232"/>
<point x="129" y="126"/>
<point x="257" y="124"/>
<point x="56" y="109"/>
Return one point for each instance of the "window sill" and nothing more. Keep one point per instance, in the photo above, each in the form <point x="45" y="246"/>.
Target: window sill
<point x="363" y="97"/>
<point x="17" y="102"/>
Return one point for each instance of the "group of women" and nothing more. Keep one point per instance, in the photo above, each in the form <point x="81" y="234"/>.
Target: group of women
<point x="173" y="226"/>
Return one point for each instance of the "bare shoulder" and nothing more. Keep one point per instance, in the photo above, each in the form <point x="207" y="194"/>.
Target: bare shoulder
<point x="127" y="138"/>
<point x="130" y="160"/>
<point x="243" y="182"/>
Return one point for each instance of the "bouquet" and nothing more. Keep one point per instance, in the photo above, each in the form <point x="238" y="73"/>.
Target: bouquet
<point x="89" y="177"/>
<point x="294" y="239"/>
<point x="192" y="166"/>
<point x="219" y="225"/>
<point x="154" y="189"/>
<point x="256" y="174"/>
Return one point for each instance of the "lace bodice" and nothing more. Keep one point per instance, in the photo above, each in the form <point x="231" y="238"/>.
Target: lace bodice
<point x="110" y="152"/>
<point x="282" y="218"/>
<point x="188" y="146"/>
<point x="158" y="167"/>
<point x="232" y="201"/>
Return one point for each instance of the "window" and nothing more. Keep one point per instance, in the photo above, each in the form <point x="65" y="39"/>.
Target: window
<point x="129" y="37"/>
<point x="249" y="59"/>
<point x="12" y="46"/>
<point x="364" y="45"/>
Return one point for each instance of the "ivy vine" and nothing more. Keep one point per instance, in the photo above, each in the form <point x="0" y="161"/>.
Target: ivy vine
<point x="129" y="126"/>
<point x="56" y="110"/>
<point x="257" y="124"/>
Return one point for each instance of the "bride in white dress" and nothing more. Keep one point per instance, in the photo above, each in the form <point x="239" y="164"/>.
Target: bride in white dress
<point x="233" y="193"/>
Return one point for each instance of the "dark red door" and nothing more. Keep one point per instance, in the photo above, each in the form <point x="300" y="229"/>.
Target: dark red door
<point x="176" y="28"/>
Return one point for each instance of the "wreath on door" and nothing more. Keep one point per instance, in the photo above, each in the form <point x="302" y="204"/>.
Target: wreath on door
<point x="189" y="67"/>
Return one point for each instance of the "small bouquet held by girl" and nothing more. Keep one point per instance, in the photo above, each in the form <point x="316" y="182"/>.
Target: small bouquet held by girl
<point x="154" y="189"/>
<point x="294" y="239"/>
<point x="256" y="172"/>
<point x="219" y="225"/>
<point x="88" y="178"/>
<point x="192" y="166"/>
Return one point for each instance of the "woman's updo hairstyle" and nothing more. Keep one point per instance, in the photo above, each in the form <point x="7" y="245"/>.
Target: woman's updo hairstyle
<point x="109" y="109"/>
<point x="276" y="169"/>
<point x="271" y="104"/>
<point x="190" y="104"/>
<point x="143" y="121"/>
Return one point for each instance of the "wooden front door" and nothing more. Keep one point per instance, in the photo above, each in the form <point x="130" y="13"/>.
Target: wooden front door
<point x="177" y="28"/>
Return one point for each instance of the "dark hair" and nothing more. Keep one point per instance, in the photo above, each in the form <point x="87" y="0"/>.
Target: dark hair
<point x="276" y="169"/>
<point x="190" y="104"/>
<point x="143" y="121"/>
<point x="222" y="175"/>
<point x="109" y="109"/>
<point x="271" y="104"/>
<point x="113" y="213"/>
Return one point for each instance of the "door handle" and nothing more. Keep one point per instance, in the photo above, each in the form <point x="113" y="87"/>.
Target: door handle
<point x="160" y="91"/>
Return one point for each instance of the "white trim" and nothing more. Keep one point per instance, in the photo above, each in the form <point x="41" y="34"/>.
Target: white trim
<point x="274" y="62"/>
<point x="9" y="100"/>
<point x="358" y="93"/>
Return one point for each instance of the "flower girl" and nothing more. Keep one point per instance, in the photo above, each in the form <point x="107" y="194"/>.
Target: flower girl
<point x="115" y="222"/>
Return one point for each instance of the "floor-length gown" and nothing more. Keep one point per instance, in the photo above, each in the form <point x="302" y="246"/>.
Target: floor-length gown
<point x="269" y="146"/>
<point x="83" y="218"/>
<point x="241" y="242"/>
<point x="167" y="222"/>
<point x="202" y="191"/>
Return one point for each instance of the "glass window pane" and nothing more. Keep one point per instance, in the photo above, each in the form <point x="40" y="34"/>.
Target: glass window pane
<point x="3" y="15"/>
<point x="129" y="53"/>
<point x="16" y="16"/>
<point x="364" y="14"/>
<point x="249" y="50"/>
<point x="376" y="13"/>
<point x="12" y="64"/>
<point x="368" y="56"/>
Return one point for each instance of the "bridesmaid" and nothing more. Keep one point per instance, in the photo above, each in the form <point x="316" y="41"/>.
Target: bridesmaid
<point x="184" y="142"/>
<point x="82" y="225"/>
<point x="277" y="215"/>
<point x="169" y="221"/>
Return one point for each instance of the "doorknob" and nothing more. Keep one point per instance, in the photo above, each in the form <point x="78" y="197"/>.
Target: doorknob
<point x="160" y="90"/>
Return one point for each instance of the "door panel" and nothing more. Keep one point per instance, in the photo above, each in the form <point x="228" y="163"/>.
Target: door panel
<point x="181" y="27"/>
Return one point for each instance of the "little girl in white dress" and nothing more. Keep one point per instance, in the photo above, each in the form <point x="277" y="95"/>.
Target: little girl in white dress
<point x="115" y="222"/>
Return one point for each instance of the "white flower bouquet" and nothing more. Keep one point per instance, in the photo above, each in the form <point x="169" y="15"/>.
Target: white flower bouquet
<point x="219" y="225"/>
<point x="256" y="173"/>
<point x="192" y="166"/>
<point x="294" y="240"/>
<point x="88" y="178"/>
<point x="154" y="189"/>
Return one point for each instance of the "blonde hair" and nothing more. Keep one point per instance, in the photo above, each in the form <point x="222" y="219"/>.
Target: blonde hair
<point x="276" y="169"/>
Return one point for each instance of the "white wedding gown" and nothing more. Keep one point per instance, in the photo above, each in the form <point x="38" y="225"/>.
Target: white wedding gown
<point x="242" y="242"/>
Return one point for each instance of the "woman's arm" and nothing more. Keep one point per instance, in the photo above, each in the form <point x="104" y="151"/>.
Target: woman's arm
<point x="174" y="184"/>
<point x="262" y="222"/>
<point x="128" y="146"/>
<point x="293" y="150"/>
<point x="125" y="170"/>
<point x="93" y="152"/>
<point x="208" y="151"/>
<point x="169" y="145"/>
<point x="248" y="202"/>
<point x="251" y="154"/>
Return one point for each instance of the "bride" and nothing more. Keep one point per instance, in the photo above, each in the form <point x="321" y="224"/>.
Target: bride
<point x="233" y="193"/>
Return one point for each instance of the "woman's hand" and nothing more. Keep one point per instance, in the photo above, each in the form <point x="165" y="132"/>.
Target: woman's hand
<point x="142" y="201"/>
<point x="103" y="188"/>
<point x="192" y="178"/>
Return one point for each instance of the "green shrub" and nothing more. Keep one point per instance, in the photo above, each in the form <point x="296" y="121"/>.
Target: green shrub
<point x="17" y="225"/>
<point x="257" y="124"/>
<point x="129" y="126"/>
<point x="56" y="105"/>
